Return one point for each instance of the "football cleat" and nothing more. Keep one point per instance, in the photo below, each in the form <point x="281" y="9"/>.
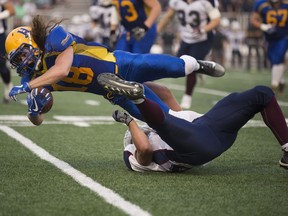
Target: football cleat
<point x="210" y="68"/>
<point x="114" y="84"/>
<point x="284" y="160"/>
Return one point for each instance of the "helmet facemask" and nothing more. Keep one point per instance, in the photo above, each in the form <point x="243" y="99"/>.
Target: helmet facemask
<point x="25" y="59"/>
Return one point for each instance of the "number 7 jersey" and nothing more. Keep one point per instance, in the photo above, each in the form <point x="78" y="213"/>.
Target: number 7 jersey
<point x="277" y="17"/>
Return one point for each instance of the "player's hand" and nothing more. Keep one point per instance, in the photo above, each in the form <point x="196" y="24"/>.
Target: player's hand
<point x="122" y="117"/>
<point x="36" y="101"/>
<point x="19" y="90"/>
<point x="269" y="28"/>
<point x="197" y="32"/>
<point x="139" y="31"/>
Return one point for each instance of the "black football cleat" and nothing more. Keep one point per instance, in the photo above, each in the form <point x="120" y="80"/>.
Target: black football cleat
<point x="114" y="84"/>
<point x="284" y="160"/>
<point x="210" y="68"/>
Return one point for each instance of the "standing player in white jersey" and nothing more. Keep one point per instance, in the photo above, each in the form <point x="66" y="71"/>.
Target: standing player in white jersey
<point x="6" y="10"/>
<point x="101" y="15"/>
<point x="197" y="20"/>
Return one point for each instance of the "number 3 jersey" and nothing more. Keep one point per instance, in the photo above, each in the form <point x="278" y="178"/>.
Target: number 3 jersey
<point x="192" y="17"/>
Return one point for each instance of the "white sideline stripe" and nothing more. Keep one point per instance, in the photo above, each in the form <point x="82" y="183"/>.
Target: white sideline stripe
<point x="107" y="194"/>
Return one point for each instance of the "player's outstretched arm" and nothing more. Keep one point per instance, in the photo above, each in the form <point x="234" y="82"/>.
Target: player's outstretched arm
<point x="144" y="149"/>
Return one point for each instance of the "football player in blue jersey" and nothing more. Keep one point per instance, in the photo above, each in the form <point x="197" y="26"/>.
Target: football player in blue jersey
<point x="177" y="143"/>
<point x="271" y="16"/>
<point x="49" y="56"/>
<point x="138" y="18"/>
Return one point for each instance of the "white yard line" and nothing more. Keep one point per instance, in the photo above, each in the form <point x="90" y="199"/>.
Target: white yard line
<point x="211" y="92"/>
<point x="107" y="194"/>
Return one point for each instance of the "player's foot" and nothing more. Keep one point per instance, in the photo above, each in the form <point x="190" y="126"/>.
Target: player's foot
<point x="284" y="160"/>
<point x="112" y="83"/>
<point x="210" y="68"/>
<point x="186" y="101"/>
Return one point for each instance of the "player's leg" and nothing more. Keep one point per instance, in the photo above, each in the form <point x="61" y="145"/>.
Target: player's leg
<point x="149" y="67"/>
<point x="235" y="110"/>
<point x="276" y="54"/>
<point x="131" y="90"/>
<point x="4" y="71"/>
<point x="164" y="94"/>
<point x="274" y="118"/>
<point x="199" y="51"/>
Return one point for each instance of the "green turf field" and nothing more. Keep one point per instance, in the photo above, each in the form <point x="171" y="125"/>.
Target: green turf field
<point x="72" y="164"/>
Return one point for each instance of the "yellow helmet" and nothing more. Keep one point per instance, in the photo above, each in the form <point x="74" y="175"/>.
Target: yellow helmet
<point x="23" y="53"/>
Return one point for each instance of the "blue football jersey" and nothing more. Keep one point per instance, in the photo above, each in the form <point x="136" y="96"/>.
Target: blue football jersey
<point x="133" y="13"/>
<point x="277" y="17"/>
<point x="89" y="60"/>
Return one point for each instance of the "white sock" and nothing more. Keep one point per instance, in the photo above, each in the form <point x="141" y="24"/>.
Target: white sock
<point x="186" y="101"/>
<point x="190" y="64"/>
<point x="285" y="147"/>
<point x="277" y="74"/>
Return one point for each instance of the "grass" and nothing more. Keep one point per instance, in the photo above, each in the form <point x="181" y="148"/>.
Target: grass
<point x="245" y="180"/>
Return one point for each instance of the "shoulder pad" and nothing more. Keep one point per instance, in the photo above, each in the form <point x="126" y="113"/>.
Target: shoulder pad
<point x="58" y="40"/>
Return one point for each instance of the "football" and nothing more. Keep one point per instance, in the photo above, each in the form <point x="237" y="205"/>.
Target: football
<point x="44" y="92"/>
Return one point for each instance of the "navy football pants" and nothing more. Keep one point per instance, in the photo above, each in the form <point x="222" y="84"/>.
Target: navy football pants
<point x="207" y="137"/>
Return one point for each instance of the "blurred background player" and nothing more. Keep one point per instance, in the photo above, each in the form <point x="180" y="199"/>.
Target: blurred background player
<point x="271" y="16"/>
<point x="236" y="37"/>
<point x="197" y="20"/>
<point x="7" y="10"/>
<point x="100" y="13"/>
<point x="138" y="19"/>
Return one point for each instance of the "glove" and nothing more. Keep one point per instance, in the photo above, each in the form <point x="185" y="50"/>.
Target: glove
<point x="139" y="32"/>
<point x="36" y="102"/>
<point x="19" y="90"/>
<point x="268" y="28"/>
<point x="122" y="117"/>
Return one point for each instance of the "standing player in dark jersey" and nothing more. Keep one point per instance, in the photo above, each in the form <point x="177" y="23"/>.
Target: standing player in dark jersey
<point x="61" y="61"/>
<point x="184" y="143"/>
<point x="271" y="16"/>
<point x="138" y="18"/>
<point x="6" y="10"/>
